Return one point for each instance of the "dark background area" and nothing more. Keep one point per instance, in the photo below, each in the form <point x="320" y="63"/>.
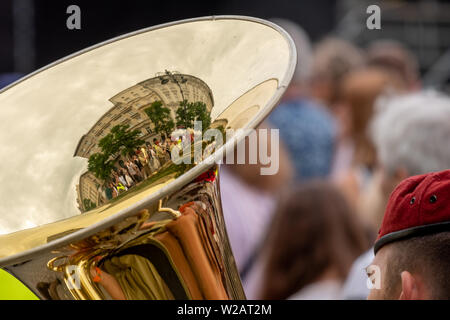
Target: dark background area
<point x="6" y="36"/>
<point x="102" y="20"/>
<point x="33" y="33"/>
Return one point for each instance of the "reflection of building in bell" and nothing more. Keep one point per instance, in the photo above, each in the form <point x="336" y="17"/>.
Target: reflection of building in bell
<point x="89" y="192"/>
<point x="129" y="106"/>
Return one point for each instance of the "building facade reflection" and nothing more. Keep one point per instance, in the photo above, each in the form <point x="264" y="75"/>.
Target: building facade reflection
<point x="172" y="92"/>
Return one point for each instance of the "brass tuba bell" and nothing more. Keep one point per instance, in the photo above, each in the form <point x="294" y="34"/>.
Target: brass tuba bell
<point x="94" y="203"/>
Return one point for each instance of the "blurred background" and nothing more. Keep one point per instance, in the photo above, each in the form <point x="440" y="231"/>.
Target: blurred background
<point x="365" y="110"/>
<point x="33" y="33"/>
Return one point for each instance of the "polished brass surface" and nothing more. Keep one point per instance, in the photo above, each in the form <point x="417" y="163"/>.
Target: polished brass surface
<point x="93" y="204"/>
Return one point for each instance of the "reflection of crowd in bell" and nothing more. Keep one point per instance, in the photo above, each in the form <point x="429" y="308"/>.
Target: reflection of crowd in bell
<point x="131" y="171"/>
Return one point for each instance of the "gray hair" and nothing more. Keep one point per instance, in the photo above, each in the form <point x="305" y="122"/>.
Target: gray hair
<point x="413" y="132"/>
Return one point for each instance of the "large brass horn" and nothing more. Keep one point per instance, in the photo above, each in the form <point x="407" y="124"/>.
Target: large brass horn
<point x="93" y="204"/>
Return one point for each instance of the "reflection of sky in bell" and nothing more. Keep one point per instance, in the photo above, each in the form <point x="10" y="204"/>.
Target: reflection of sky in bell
<point x="44" y="117"/>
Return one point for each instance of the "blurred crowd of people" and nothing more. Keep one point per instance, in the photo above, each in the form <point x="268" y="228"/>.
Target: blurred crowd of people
<point x="134" y="169"/>
<point x="353" y="124"/>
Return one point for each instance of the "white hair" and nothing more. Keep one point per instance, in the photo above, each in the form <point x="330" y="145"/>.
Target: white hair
<point x="413" y="132"/>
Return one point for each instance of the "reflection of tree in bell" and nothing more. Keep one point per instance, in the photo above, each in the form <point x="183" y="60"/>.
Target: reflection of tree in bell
<point x="161" y="118"/>
<point x="188" y="112"/>
<point x="88" y="204"/>
<point x="100" y="165"/>
<point x="119" y="140"/>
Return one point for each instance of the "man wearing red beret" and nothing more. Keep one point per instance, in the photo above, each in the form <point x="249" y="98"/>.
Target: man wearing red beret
<point x="411" y="133"/>
<point x="412" y="250"/>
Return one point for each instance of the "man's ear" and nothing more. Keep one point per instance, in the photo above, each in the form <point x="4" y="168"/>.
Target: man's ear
<point x="410" y="287"/>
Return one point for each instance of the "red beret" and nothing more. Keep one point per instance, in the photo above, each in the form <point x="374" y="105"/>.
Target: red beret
<point x="419" y="205"/>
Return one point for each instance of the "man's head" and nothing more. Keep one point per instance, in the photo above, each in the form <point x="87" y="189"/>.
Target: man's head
<point x="412" y="248"/>
<point x="415" y="268"/>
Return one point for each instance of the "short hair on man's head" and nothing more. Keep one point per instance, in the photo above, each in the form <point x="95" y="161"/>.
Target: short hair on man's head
<point x="412" y="131"/>
<point x="428" y="256"/>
